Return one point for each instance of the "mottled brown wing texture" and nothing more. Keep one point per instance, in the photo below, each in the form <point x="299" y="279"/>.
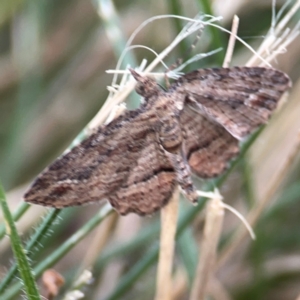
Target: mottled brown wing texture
<point x="208" y="146"/>
<point x="105" y="165"/>
<point x="126" y="161"/>
<point x="240" y="98"/>
<point x="150" y="183"/>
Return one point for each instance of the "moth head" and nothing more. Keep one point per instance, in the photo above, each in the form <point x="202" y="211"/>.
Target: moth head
<point x="145" y="86"/>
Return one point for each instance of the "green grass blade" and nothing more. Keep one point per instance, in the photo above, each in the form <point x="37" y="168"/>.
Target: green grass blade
<point x="63" y="249"/>
<point x="31" y="247"/>
<point x="25" y="271"/>
<point x="16" y="216"/>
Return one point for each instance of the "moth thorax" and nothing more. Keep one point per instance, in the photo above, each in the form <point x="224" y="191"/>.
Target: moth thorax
<point x="170" y="134"/>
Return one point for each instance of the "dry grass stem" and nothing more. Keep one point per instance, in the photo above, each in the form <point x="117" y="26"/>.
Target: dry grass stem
<point x="231" y="43"/>
<point x="108" y="106"/>
<point x="180" y="284"/>
<point x="121" y="95"/>
<point x="242" y="218"/>
<point x="270" y="47"/>
<point x="217" y="290"/>
<point x="256" y="212"/>
<point x="212" y="232"/>
<point x="169" y="215"/>
<point x="101" y="236"/>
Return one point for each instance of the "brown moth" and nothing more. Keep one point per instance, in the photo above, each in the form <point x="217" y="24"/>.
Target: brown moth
<point x="136" y="161"/>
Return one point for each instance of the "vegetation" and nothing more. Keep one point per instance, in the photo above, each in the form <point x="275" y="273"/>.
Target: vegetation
<point x="53" y="58"/>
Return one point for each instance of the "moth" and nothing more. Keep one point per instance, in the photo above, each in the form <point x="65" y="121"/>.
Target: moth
<point x="194" y="127"/>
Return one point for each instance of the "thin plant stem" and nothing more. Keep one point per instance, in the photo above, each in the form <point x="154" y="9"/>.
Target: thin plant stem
<point x="255" y="213"/>
<point x="207" y="253"/>
<point x="16" y="216"/>
<point x="32" y="246"/>
<point x="231" y="43"/>
<point x="23" y="262"/>
<point x="63" y="249"/>
<point x="166" y="250"/>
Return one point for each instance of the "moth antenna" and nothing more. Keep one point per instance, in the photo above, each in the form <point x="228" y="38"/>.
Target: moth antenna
<point x="191" y="48"/>
<point x="179" y="60"/>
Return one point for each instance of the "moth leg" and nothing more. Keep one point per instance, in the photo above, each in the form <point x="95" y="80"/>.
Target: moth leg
<point x="183" y="176"/>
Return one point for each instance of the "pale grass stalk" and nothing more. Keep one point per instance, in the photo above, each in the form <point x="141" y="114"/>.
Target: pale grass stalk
<point x="231" y="43"/>
<point x="209" y="244"/>
<point x="116" y="112"/>
<point x="256" y="212"/>
<point x="281" y="46"/>
<point x="267" y="48"/>
<point x="288" y="16"/>
<point x="180" y="284"/>
<point x="126" y="87"/>
<point x="179" y="37"/>
<point x="192" y="26"/>
<point x="216" y="195"/>
<point x="171" y="73"/>
<point x="242" y="218"/>
<point x="121" y="95"/>
<point x="101" y="236"/>
<point x="169" y="215"/>
<point x="108" y="106"/>
<point x="217" y="290"/>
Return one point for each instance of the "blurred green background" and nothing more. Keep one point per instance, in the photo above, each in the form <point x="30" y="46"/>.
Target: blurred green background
<point x="53" y="57"/>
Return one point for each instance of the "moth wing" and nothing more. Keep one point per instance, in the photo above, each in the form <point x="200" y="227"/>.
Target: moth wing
<point x="150" y="183"/>
<point x="100" y="165"/>
<point x="240" y="99"/>
<point x="208" y="146"/>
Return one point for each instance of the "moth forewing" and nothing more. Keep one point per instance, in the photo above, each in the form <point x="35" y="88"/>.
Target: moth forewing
<point x="136" y="160"/>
